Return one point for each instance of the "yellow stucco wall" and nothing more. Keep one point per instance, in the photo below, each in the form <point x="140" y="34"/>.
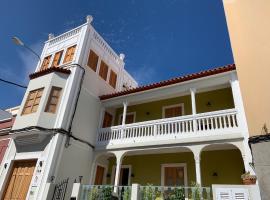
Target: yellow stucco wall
<point x="147" y="168"/>
<point x="249" y="29"/>
<point x="219" y="99"/>
<point x="228" y="165"/>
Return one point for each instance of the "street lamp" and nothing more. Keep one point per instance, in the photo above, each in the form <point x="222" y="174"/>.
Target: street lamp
<point x="17" y="41"/>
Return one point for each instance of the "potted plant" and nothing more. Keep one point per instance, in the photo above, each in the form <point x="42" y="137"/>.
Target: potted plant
<point x="248" y="179"/>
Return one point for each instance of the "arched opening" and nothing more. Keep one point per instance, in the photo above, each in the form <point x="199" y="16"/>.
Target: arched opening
<point x="101" y="169"/>
<point x="162" y="166"/>
<point x="221" y="164"/>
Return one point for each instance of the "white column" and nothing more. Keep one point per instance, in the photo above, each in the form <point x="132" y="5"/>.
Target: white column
<point x="119" y="158"/>
<point x="197" y="159"/>
<point x="193" y="104"/>
<point x="125" y="104"/>
<point x="242" y="121"/>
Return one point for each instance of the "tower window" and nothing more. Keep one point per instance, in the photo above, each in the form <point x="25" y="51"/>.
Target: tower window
<point x="92" y="60"/>
<point x="32" y="101"/>
<point x="103" y="71"/>
<point x="53" y="100"/>
<point x="46" y="62"/>
<point x="113" y="79"/>
<point x="70" y="54"/>
<point x="57" y="58"/>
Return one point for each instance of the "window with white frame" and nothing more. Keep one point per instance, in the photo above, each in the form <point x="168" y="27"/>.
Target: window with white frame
<point x="173" y="110"/>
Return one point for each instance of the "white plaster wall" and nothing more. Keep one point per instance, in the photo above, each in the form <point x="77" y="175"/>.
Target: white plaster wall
<point x="40" y="118"/>
<point x="76" y="160"/>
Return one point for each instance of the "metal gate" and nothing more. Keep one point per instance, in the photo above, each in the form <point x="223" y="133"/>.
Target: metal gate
<point x="60" y="190"/>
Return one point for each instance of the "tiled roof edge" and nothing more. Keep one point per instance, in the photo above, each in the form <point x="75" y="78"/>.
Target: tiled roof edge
<point x="48" y="71"/>
<point x="172" y="81"/>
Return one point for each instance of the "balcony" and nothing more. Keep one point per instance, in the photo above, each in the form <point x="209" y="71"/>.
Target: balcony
<point x="198" y="126"/>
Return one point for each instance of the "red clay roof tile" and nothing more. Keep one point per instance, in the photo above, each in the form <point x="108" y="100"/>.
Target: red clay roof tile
<point x="172" y="81"/>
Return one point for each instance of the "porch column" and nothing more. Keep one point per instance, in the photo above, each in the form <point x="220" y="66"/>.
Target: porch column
<point x="125" y="104"/>
<point x="119" y="158"/>
<point x="197" y="159"/>
<point x="241" y="121"/>
<point x="193" y="104"/>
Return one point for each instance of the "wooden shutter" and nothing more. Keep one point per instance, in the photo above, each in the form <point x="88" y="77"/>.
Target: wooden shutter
<point x="53" y="100"/>
<point x="113" y="79"/>
<point x="19" y="181"/>
<point x="70" y="54"/>
<point x="173" y="111"/>
<point x="99" y="175"/>
<point x="92" y="60"/>
<point x="130" y="118"/>
<point x="57" y="58"/>
<point x="46" y="62"/>
<point x="103" y="71"/>
<point x="107" y="121"/>
<point x="174" y="176"/>
<point x="32" y="101"/>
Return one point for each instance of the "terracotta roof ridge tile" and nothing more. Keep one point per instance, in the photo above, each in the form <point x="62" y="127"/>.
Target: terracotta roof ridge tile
<point x="49" y="70"/>
<point x="172" y="81"/>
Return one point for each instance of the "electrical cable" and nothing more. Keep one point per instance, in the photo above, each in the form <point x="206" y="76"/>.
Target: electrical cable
<point x="12" y="83"/>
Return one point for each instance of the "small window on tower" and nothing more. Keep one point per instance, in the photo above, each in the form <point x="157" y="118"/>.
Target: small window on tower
<point x="92" y="60"/>
<point x="57" y="59"/>
<point x="103" y="71"/>
<point x="46" y="62"/>
<point x="53" y="100"/>
<point x="113" y="79"/>
<point x="32" y="101"/>
<point x="70" y="54"/>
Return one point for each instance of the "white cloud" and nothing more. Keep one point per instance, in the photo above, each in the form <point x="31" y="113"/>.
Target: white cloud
<point x="144" y="75"/>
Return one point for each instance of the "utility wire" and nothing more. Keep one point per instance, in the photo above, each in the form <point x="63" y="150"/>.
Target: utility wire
<point x="12" y="83"/>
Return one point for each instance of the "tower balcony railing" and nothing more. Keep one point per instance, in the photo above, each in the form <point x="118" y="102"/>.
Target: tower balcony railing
<point x="203" y="124"/>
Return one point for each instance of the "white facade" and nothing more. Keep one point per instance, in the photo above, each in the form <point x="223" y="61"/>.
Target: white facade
<point x="56" y="154"/>
<point x="68" y="143"/>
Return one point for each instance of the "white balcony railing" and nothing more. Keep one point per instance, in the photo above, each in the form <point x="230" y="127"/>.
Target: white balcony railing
<point x="217" y="122"/>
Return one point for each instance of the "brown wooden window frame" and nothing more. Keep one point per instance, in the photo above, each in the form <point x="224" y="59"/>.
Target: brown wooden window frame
<point x="103" y="70"/>
<point x="174" y="106"/>
<point x="50" y="100"/>
<point x="57" y="60"/>
<point x="107" y="120"/>
<point x="34" y="96"/>
<point x="92" y="61"/>
<point x="113" y="79"/>
<point x="69" y="55"/>
<point x="46" y="62"/>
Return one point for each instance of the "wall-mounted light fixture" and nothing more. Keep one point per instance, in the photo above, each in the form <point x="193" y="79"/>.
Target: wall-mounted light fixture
<point x="209" y="104"/>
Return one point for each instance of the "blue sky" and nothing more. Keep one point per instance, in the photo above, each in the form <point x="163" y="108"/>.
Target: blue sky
<point x="160" y="38"/>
